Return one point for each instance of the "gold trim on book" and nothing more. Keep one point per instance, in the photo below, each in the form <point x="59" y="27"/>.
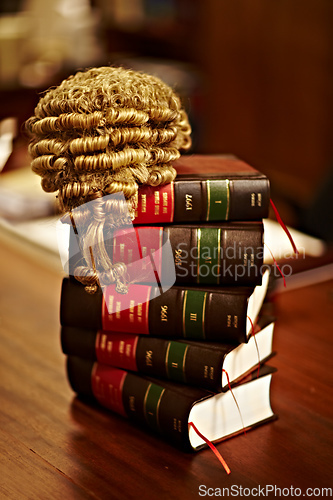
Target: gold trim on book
<point x="157" y="406"/>
<point x="158" y="409"/>
<point x="198" y="255"/>
<point x="208" y="199"/>
<point x="203" y="315"/>
<point x="167" y="358"/>
<point x="228" y="198"/>
<point x="145" y="400"/>
<point x="184" y="309"/>
<point x="184" y="359"/>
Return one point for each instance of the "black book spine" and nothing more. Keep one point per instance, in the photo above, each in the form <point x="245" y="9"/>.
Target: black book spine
<point x="198" y="198"/>
<point x="216" y="255"/>
<point x="211" y="254"/>
<point x="189" y="313"/>
<point x="221" y="199"/>
<point x="153" y="405"/>
<point x="190" y="364"/>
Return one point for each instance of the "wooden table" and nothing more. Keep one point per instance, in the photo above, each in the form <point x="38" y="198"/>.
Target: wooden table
<point x="55" y="447"/>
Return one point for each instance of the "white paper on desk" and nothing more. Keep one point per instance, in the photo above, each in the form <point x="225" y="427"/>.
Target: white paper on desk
<point x="278" y="243"/>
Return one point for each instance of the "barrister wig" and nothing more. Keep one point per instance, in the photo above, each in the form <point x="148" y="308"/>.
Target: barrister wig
<point x="103" y="131"/>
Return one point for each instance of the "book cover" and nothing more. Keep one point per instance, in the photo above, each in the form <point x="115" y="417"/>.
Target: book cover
<point x="167" y="408"/>
<point x="209" y="254"/>
<point x="223" y="314"/>
<point x="207" y="188"/>
<point x="211" y="366"/>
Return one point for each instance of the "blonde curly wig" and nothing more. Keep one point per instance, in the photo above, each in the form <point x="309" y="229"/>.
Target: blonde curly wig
<point x="102" y="131"/>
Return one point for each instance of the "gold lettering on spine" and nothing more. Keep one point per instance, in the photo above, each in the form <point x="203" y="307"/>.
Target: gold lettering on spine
<point x="259" y="199"/>
<point x="149" y="358"/>
<point x="131" y="311"/>
<point x="165" y="202"/>
<point x="136" y="203"/>
<point x="143" y="203"/>
<point x="118" y="309"/>
<point x="178" y="257"/>
<point x="122" y="251"/>
<point x="193" y="316"/>
<point x="103" y="342"/>
<point x="188" y="201"/>
<point x="110" y="305"/>
<point x="128" y="350"/>
<point x="157" y="202"/>
<point x="205" y="371"/>
<point x="172" y="200"/>
<point x="139" y="313"/>
<point x="164" y="313"/>
<point x="132" y="403"/>
<point x="177" y="425"/>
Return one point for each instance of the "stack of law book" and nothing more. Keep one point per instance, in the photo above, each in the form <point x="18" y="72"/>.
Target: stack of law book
<point x="186" y="349"/>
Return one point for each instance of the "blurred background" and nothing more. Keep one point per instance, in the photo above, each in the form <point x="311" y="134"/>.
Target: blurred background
<point x="255" y="77"/>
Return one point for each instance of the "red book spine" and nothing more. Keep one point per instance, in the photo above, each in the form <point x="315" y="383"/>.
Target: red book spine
<point x="155" y="204"/>
<point x="107" y="386"/>
<point x="139" y="248"/>
<point x="126" y="312"/>
<point x="117" y="349"/>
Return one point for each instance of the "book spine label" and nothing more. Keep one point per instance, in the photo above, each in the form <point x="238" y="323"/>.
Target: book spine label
<point x="209" y="256"/>
<point x="199" y="315"/>
<point x="155" y="204"/>
<point x="175" y="360"/>
<point x="218" y="199"/>
<point x="212" y="199"/>
<point x="151" y="405"/>
<point x="140" y="248"/>
<point x="156" y="406"/>
<point x="194" y="308"/>
<point x="126" y="312"/>
<point x="117" y="349"/>
<point x="216" y="255"/>
<point x="107" y="386"/>
<point x="142" y="400"/>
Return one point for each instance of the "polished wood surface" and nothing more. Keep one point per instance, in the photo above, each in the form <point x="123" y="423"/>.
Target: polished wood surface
<point x="54" y="446"/>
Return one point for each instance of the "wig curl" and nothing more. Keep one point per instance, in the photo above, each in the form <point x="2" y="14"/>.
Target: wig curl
<point x="102" y="131"/>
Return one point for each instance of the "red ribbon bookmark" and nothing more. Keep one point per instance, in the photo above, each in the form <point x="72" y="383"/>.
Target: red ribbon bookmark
<point x="212" y="447"/>
<point x="284" y="227"/>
